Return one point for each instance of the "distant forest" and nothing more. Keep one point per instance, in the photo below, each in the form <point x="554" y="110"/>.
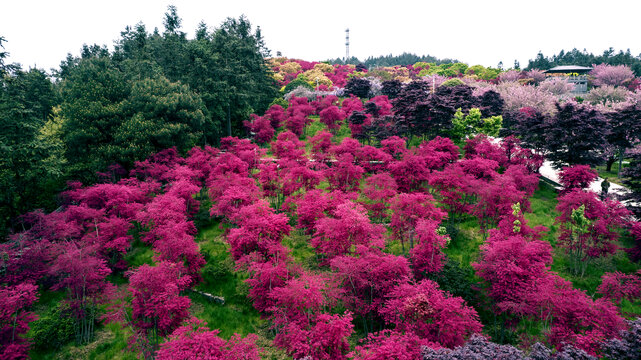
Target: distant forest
<point x="583" y="58"/>
<point x="392" y="60"/>
<point x="572" y="57"/>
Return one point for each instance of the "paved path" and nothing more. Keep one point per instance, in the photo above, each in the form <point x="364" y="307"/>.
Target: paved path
<point x="551" y="173"/>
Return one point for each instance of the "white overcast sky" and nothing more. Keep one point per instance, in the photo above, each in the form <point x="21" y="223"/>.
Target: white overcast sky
<point x="41" y="33"/>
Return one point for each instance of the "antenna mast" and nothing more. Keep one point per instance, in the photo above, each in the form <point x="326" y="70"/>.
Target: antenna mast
<point x="346" y="44"/>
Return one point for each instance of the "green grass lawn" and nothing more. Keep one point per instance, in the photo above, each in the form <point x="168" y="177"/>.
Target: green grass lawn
<point x="237" y="315"/>
<point x="613" y="174"/>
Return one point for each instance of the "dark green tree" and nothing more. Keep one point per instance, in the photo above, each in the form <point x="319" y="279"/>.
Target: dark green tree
<point x="159" y="115"/>
<point x="28" y="169"/>
<point x="92" y="96"/>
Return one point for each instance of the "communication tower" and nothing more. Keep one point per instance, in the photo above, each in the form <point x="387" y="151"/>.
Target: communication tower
<point x="346" y="44"/>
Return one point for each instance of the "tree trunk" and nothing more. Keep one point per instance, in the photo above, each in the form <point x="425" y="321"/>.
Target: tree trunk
<point x="609" y="163"/>
<point x="621" y="151"/>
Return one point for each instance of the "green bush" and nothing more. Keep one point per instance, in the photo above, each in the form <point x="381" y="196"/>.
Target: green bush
<point x="53" y="330"/>
<point x="296" y="83"/>
<point x="453" y="82"/>
<point x="474" y="70"/>
<point x="215" y="271"/>
<point x="458" y="280"/>
<point x="447" y="72"/>
<point x="460" y="67"/>
<point x="280" y="101"/>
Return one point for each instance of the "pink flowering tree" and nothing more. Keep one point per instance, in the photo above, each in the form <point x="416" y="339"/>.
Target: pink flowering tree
<point x="378" y="190"/>
<point x="332" y="117"/>
<point x="605" y="74"/>
<point x="157" y="306"/>
<point x="348" y="227"/>
<point x="589" y="228"/>
<point x="15" y="302"/>
<point x="407" y="210"/>
<point x="195" y="340"/>
<point x="427" y="256"/>
<point x="366" y="279"/>
<point x="432" y="314"/>
<point x="577" y="177"/>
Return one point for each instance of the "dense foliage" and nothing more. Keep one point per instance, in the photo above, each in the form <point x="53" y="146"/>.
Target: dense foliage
<point x="370" y="213"/>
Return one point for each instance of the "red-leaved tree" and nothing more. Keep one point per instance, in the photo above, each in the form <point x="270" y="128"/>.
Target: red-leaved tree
<point x="83" y="274"/>
<point x="432" y="314"/>
<point x="407" y="210"/>
<point x="577" y="177"/>
<point x="589" y="228"/>
<point x="379" y="189"/>
<point x="427" y="256"/>
<point x="366" y="279"/>
<point x="194" y="340"/>
<point x="389" y="344"/>
<point x="348" y="227"/>
<point x="15" y="316"/>
<point x="157" y="306"/>
<point x="259" y="229"/>
<point x="332" y="117"/>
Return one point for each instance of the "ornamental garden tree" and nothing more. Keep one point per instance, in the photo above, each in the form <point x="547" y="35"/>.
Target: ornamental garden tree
<point x="625" y="130"/>
<point x="195" y="340"/>
<point x="427" y="256"/>
<point x="407" y="210"/>
<point x="577" y="177"/>
<point x="259" y="229"/>
<point x="378" y="190"/>
<point x="15" y="302"/>
<point x="388" y="344"/>
<point x="332" y="116"/>
<point x="348" y="227"/>
<point x="430" y="313"/>
<point x="576" y="135"/>
<point x="589" y="227"/>
<point x="366" y="279"/>
<point x="157" y="306"/>
<point x="83" y="274"/>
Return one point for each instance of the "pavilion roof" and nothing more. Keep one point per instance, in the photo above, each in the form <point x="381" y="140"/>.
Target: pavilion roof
<point x="569" y="69"/>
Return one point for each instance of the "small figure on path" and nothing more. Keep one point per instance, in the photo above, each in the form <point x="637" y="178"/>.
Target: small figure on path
<point x="605" y="186"/>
